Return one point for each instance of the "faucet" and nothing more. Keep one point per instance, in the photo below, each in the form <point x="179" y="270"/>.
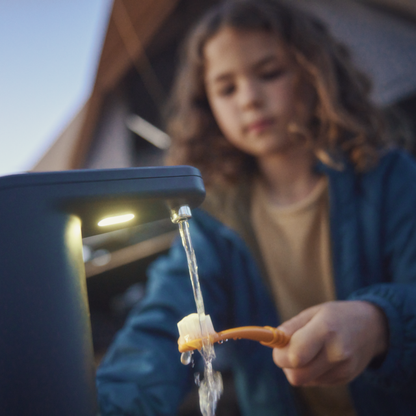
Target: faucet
<point x="46" y="353"/>
<point x="181" y="214"/>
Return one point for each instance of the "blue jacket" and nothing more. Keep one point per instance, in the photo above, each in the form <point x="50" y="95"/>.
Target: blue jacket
<point x="373" y="234"/>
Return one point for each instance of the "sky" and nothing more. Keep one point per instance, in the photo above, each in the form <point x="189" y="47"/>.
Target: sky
<point x="49" y="52"/>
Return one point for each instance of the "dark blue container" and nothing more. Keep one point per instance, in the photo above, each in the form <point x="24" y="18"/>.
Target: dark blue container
<point x="46" y="355"/>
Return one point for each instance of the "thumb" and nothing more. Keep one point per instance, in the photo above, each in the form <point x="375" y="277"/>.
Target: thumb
<point x="299" y="321"/>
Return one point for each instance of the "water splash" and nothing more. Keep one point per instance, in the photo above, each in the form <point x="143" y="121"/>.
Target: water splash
<point x="210" y="390"/>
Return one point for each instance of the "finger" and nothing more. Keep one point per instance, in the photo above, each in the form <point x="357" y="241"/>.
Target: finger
<point x="310" y="373"/>
<point x="298" y="321"/>
<point x="340" y="374"/>
<point x="281" y="356"/>
<point x="304" y="346"/>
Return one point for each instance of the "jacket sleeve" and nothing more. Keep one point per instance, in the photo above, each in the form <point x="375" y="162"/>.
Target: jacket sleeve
<point x="141" y="373"/>
<point x="396" y="292"/>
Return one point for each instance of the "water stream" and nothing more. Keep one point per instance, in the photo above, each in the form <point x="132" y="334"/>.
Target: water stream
<point x="210" y="388"/>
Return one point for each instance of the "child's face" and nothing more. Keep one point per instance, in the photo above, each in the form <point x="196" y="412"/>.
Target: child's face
<point x="254" y="90"/>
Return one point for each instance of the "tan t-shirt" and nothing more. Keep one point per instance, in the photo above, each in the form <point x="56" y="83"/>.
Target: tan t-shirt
<point x="295" y="244"/>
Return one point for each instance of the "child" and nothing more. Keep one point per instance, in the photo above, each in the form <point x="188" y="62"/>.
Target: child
<point x="309" y="223"/>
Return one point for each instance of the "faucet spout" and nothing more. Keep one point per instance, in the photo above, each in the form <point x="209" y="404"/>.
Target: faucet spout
<point x="181" y="214"/>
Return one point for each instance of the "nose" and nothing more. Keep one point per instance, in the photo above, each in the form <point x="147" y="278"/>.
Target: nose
<point x="250" y="95"/>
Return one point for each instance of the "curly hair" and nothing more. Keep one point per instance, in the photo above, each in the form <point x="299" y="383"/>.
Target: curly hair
<point x="344" y="124"/>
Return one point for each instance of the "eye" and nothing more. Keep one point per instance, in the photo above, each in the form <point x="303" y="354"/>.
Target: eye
<point x="272" y="74"/>
<point x="226" y="90"/>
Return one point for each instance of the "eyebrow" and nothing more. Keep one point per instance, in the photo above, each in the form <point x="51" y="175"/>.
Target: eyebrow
<point x="223" y="77"/>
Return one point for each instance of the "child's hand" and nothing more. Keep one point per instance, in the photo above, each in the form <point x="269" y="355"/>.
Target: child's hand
<point x="332" y="343"/>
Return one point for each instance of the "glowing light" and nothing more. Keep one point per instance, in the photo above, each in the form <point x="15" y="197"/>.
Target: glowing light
<point x="115" y="220"/>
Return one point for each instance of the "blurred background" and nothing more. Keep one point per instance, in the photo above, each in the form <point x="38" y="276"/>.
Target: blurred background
<point x="49" y="54"/>
<point x="83" y="85"/>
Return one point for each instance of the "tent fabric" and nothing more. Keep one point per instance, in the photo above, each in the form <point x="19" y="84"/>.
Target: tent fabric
<point x="384" y="46"/>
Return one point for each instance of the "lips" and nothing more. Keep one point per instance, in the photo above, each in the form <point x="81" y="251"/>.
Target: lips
<point x="258" y="126"/>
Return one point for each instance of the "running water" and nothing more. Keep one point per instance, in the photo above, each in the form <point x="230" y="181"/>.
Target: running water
<point x="210" y="388"/>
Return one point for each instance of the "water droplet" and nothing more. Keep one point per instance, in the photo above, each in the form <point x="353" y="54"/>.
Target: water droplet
<point x="197" y="379"/>
<point x="186" y="357"/>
